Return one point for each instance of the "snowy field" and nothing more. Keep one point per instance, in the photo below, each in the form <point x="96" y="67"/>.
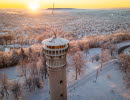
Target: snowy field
<point x="79" y="22"/>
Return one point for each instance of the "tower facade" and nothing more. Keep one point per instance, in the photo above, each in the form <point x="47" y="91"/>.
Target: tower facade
<point x="55" y="50"/>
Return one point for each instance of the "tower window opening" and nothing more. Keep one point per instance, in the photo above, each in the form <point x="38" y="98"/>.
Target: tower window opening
<point x="61" y="95"/>
<point x="56" y="52"/>
<point x="60" y="52"/>
<point x="66" y="50"/>
<point x="61" y="82"/>
<point x="53" y="52"/>
<point x="50" y="52"/>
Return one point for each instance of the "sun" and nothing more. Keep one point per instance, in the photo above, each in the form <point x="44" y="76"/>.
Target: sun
<point x="34" y="6"/>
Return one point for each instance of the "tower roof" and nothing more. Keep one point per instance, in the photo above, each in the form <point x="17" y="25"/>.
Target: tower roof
<point x="55" y="41"/>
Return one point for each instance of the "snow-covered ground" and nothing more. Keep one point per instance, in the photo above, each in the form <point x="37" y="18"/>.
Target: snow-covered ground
<point x="80" y="22"/>
<point x="7" y="48"/>
<point x="127" y="51"/>
<point x="109" y="85"/>
<point x="120" y="45"/>
<point x="105" y="88"/>
<point x="90" y="66"/>
<point x="10" y="72"/>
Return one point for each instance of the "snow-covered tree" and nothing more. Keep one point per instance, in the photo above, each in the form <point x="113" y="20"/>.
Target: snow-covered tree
<point x="4" y="86"/>
<point x="105" y="56"/>
<point x="78" y="62"/>
<point x="16" y="89"/>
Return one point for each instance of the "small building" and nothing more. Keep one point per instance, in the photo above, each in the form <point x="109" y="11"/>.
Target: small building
<point x="55" y="50"/>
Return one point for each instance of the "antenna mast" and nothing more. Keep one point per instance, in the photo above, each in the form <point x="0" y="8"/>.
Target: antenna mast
<point x="53" y="16"/>
<point x="53" y="8"/>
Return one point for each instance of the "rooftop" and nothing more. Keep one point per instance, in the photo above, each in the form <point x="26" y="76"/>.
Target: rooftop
<point x="55" y="41"/>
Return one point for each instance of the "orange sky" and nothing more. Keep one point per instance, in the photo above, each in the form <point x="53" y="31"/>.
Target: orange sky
<point x="67" y="3"/>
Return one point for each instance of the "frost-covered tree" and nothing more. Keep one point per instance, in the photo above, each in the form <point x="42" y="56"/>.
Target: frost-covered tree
<point x="81" y="46"/>
<point x="33" y="80"/>
<point x="105" y="56"/>
<point x="43" y="68"/>
<point x="125" y="62"/>
<point x="14" y="57"/>
<point x="124" y="65"/>
<point x="22" y="70"/>
<point x="1" y="60"/>
<point x="22" y="54"/>
<point x="78" y="62"/>
<point x="16" y="89"/>
<point x="4" y="60"/>
<point x="113" y="50"/>
<point x="4" y="86"/>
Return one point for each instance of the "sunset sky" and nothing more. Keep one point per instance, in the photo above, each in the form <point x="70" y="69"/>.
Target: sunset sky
<point x="66" y="3"/>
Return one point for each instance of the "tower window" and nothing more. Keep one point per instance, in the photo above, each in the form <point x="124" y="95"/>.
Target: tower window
<point x="61" y="82"/>
<point x="53" y="52"/>
<point x="56" y="52"/>
<point x="61" y="95"/>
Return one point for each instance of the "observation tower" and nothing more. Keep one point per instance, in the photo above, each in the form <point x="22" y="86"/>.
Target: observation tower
<point x="55" y="50"/>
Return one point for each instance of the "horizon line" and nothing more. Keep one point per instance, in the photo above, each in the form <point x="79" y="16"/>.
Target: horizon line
<point x="73" y="8"/>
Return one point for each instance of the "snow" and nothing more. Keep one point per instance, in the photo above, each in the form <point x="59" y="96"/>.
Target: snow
<point x="85" y="88"/>
<point x="8" y="47"/>
<point x="127" y="51"/>
<point x="55" y="41"/>
<point x="90" y="66"/>
<point x="120" y="45"/>
<point x="79" y="22"/>
<point x="103" y="89"/>
<point x="10" y="72"/>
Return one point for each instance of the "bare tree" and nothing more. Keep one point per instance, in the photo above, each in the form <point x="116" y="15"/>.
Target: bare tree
<point x="81" y="46"/>
<point x="4" y="86"/>
<point x="34" y="80"/>
<point x="113" y="50"/>
<point x="105" y="56"/>
<point x="4" y="59"/>
<point x="125" y="62"/>
<point x="22" y="70"/>
<point x="125" y="68"/>
<point x="16" y="89"/>
<point x="78" y="63"/>
<point x="43" y="68"/>
<point x="7" y="38"/>
<point x="14" y="57"/>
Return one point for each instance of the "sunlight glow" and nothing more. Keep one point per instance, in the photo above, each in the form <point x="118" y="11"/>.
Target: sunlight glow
<point x="34" y="6"/>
